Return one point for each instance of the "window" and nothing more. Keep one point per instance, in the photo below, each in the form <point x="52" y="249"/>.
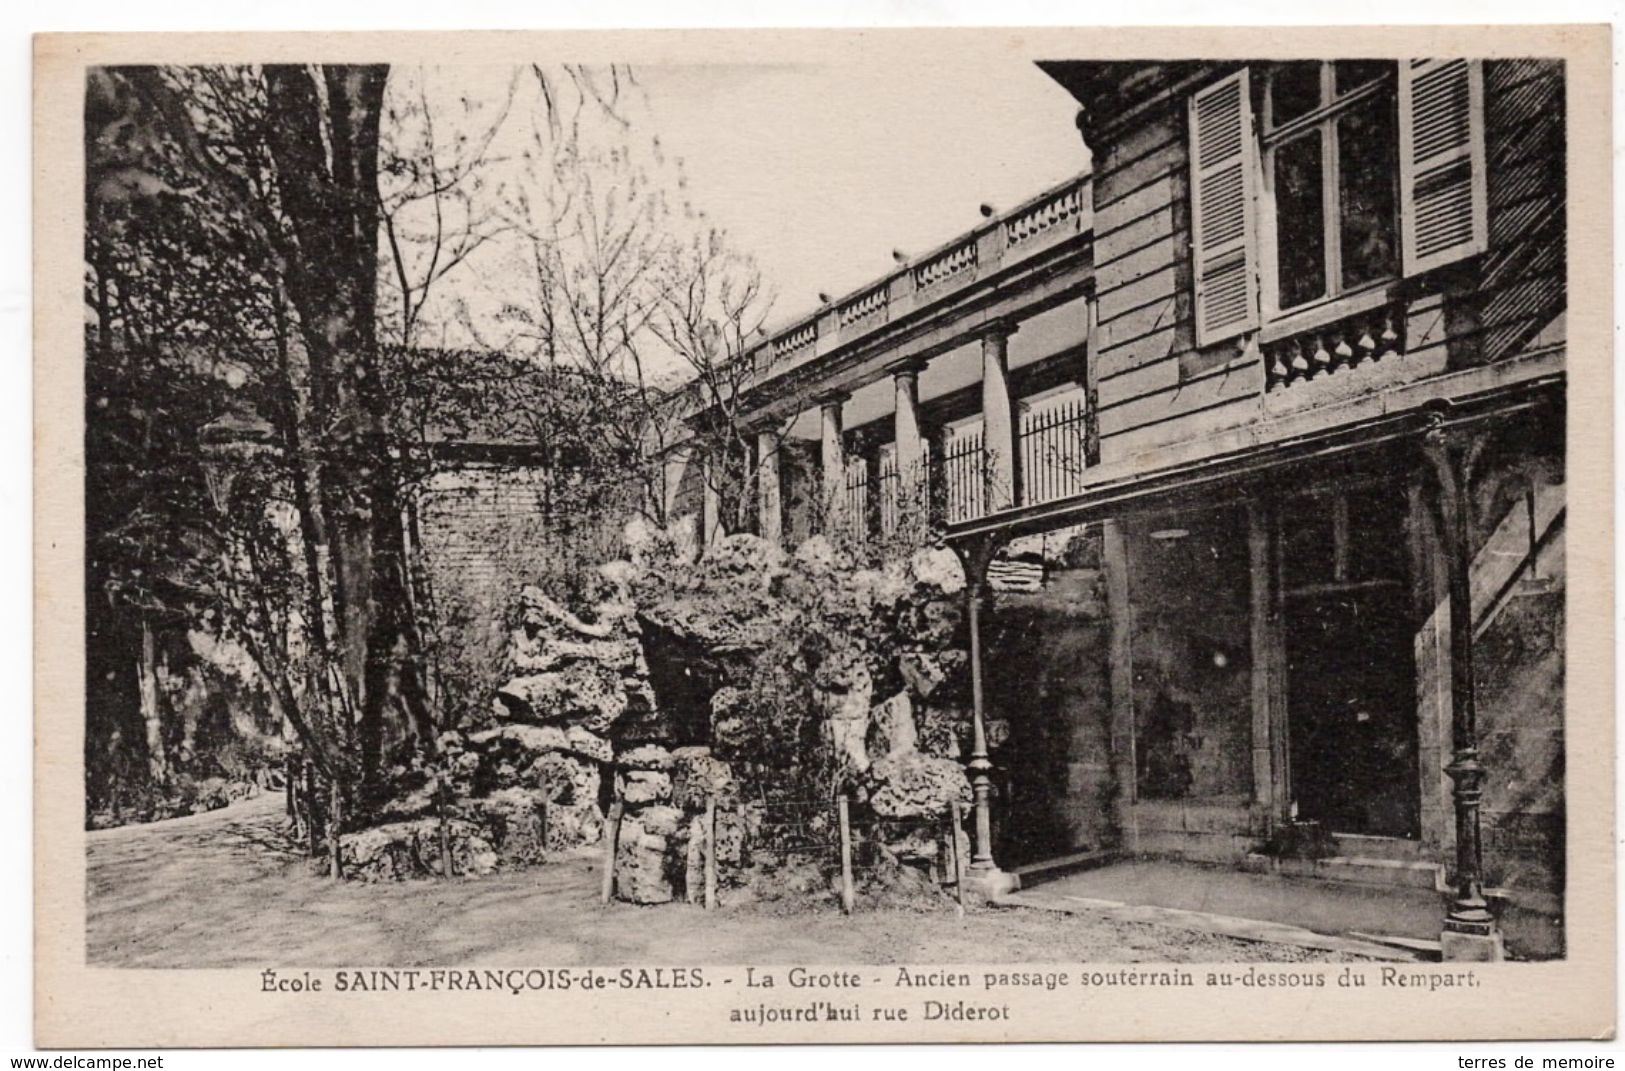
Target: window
<point x="1330" y="157"/>
<point x="1370" y="169"/>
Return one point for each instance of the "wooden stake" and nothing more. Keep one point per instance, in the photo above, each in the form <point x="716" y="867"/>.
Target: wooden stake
<point x="710" y="854"/>
<point x="446" y="869"/>
<point x="847" y="895"/>
<point x="335" y="823"/>
<point x="612" y="832"/>
<point x="541" y="821"/>
<point x="312" y="808"/>
<point x="953" y="854"/>
<point x="290" y="774"/>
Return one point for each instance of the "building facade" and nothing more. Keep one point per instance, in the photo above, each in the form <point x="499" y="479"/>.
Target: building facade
<point x="1252" y="440"/>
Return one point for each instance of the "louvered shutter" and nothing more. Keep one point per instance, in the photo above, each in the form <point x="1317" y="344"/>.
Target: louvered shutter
<point x="1441" y="162"/>
<point x="1223" y="246"/>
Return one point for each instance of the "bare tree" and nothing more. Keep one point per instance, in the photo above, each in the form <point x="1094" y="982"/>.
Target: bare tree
<point x="435" y="206"/>
<point x="713" y="319"/>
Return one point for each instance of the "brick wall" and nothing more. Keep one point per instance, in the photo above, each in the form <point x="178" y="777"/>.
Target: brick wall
<point x="483" y="532"/>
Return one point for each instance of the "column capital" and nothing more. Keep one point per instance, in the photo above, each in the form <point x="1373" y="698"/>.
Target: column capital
<point x="911" y="366"/>
<point x="831" y="398"/>
<point x="1001" y="328"/>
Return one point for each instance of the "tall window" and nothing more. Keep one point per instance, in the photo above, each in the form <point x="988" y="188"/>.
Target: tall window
<point x="1330" y="151"/>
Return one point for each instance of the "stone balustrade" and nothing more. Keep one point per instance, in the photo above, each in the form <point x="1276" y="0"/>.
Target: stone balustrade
<point x="947" y="264"/>
<point x="1354" y="341"/>
<point x="790" y="344"/>
<point x="996" y="244"/>
<point x="1045" y="214"/>
<point x="866" y="306"/>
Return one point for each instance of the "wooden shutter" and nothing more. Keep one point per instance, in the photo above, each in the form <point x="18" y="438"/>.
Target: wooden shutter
<point x="1441" y="162"/>
<point x="1223" y="243"/>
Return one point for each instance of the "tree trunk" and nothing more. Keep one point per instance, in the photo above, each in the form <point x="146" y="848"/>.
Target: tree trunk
<point x="325" y="146"/>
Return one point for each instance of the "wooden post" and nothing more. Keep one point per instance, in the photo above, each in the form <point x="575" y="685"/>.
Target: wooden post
<point x="335" y="824"/>
<point x="445" y="831"/>
<point x="290" y="774"/>
<point x="710" y="854"/>
<point x="612" y="832"/>
<point x="542" y="818"/>
<point x="956" y="816"/>
<point x="847" y="895"/>
<point x="312" y="808"/>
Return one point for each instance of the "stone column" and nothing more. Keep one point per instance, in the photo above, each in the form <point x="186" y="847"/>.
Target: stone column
<point x="768" y="501"/>
<point x="908" y="441"/>
<point x="711" y="527"/>
<point x="1003" y="471"/>
<point x="1470" y="931"/>
<point x="834" y="460"/>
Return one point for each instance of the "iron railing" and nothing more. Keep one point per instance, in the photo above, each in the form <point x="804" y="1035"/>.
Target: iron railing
<point x="1053" y="452"/>
<point x="964" y="476"/>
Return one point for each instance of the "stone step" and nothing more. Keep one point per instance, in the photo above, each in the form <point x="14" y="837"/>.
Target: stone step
<point x="1045" y="869"/>
<point x="1358" y="870"/>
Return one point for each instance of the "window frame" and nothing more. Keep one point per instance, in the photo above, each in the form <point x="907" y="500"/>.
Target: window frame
<point x="1337" y="301"/>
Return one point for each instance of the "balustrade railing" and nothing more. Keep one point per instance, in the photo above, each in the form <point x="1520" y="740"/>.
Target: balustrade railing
<point x="865" y="306"/>
<point x="964" y="475"/>
<point x="1053" y="452"/>
<point x="946" y="265"/>
<point x="1001" y="240"/>
<point x="1361" y="339"/>
<point x="1060" y="206"/>
<point x="793" y="342"/>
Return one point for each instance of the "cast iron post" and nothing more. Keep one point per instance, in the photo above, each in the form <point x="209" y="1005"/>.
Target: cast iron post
<point x="985" y="875"/>
<point x="1469" y="927"/>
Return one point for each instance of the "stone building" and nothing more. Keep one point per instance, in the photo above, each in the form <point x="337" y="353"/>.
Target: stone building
<point x="1252" y="442"/>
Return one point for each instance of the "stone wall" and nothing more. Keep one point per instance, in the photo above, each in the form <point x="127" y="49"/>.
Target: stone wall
<point x="1519" y="595"/>
<point x="1048" y="692"/>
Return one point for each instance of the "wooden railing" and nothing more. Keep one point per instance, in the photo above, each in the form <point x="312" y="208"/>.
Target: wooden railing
<point x="1361" y="339"/>
<point x="1053" y="452"/>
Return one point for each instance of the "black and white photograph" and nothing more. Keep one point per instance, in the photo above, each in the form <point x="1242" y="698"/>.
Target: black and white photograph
<point x="556" y="524"/>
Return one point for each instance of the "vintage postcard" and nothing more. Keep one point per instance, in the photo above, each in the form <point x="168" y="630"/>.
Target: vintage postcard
<point x="753" y="537"/>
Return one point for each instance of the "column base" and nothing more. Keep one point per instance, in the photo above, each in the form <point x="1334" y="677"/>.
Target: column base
<point x="990" y="884"/>
<point x="1471" y="947"/>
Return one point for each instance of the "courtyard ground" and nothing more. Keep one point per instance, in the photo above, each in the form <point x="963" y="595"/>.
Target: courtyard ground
<point x="225" y="889"/>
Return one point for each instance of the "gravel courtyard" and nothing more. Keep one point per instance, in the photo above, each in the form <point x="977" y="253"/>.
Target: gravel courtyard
<point x="223" y="889"/>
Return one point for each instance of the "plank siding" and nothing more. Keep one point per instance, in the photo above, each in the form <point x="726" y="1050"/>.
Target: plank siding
<point x="1160" y="316"/>
<point x="1154" y="388"/>
<point x="1192" y="395"/>
<point x="1140" y="201"/>
<point x="1140" y="291"/>
<point x="1151" y="437"/>
<point x="1142" y="249"/>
